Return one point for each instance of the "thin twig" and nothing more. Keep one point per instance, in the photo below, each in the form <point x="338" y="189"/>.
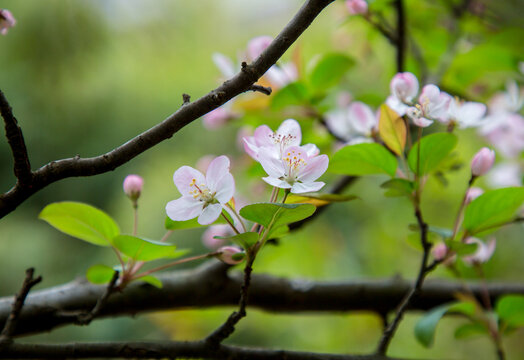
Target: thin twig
<point x="261" y="89"/>
<point x="401" y="35"/>
<point x="18" y="304"/>
<point x="85" y="319"/>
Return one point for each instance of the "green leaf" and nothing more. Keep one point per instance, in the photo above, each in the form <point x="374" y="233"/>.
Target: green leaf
<point x="276" y="215"/>
<point x="142" y="249"/>
<point x="461" y="248"/>
<point x="327" y="70"/>
<point x="510" y="309"/>
<point x="245" y="240"/>
<point x="100" y="274"/>
<point x="398" y="187"/>
<point x="278" y="232"/>
<point x="426" y="326"/>
<point x="470" y="329"/>
<point x="318" y="199"/>
<point x="152" y="280"/>
<point x="81" y="221"/>
<point x="363" y="159"/>
<point x="293" y="94"/>
<point x="434" y="149"/>
<point x="179" y="225"/>
<point x="441" y="232"/>
<point x="492" y="209"/>
<point x="392" y="129"/>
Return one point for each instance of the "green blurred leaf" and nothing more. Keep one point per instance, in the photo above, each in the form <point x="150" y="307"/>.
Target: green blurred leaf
<point x="152" y="280"/>
<point x="142" y="249"/>
<point x="179" y="225"/>
<point x="510" y="309"/>
<point x="81" y="221"/>
<point x="318" y="199"/>
<point x="245" y="240"/>
<point x="398" y="187"/>
<point x="392" y="129"/>
<point x="363" y="159"/>
<point x="461" y="248"/>
<point x="434" y="149"/>
<point x="470" y="329"/>
<point x="292" y="94"/>
<point x="493" y="208"/>
<point x="426" y="326"/>
<point x="328" y="69"/>
<point x="276" y="215"/>
<point x="100" y="274"/>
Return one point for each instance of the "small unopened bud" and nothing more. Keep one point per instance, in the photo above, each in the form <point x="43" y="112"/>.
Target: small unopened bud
<point x="404" y="86"/>
<point x="482" y="162"/>
<point x="439" y="251"/>
<point x="133" y="185"/>
<point x="231" y="255"/>
<point x="6" y="21"/>
<point x="357" y="7"/>
<point x="473" y="193"/>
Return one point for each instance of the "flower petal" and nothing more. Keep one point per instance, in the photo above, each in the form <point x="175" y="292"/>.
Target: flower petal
<point x="299" y="188"/>
<point x="311" y="149"/>
<point x="277" y="182"/>
<point x="184" y="176"/>
<point x="271" y="165"/>
<point x="263" y="136"/>
<point x="225" y="188"/>
<point x="184" y="208"/>
<point x="210" y="214"/>
<point x="216" y="170"/>
<point x="313" y="169"/>
<point x="291" y="127"/>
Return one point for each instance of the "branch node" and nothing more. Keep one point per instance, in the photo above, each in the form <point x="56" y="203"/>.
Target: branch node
<point x="86" y="318"/>
<point x="262" y="89"/>
<point x="186" y="98"/>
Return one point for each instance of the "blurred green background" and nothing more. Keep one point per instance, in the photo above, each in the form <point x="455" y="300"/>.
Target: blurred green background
<point x="86" y="76"/>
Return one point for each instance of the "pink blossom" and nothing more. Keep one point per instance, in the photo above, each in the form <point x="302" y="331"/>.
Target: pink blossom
<point x="230" y="255"/>
<point x="7" y="21"/>
<point x="272" y="143"/>
<point x="202" y="196"/>
<point x="439" y="251"/>
<point x="466" y="114"/>
<point x="482" y="161"/>
<point x="509" y="101"/>
<point x="208" y="237"/>
<point x="505" y="131"/>
<point x="257" y="45"/>
<point x="296" y="170"/>
<point x="133" y="185"/>
<point x="224" y="64"/>
<point x="473" y="193"/>
<point x="218" y="117"/>
<point x="505" y="175"/>
<point x="483" y="253"/>
<point x="432" y="105"/>
<point x="404" y="88"/>
<point x="356" y="123"/>
<point x="357" y="7"/>
<point x="281" y="75"/>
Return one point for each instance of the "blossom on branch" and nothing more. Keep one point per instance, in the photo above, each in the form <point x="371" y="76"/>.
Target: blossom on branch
<point x="202" y="196"/>
<point x="482" y="161"/>
<point x="7" y="21"/>
<point x="404" y="88"/>
<point x="357" y="123"/>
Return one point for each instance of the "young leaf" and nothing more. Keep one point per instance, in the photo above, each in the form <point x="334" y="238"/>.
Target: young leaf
<point x="510" y="309"/>
<point x="318" y="199"/>
<point x="433" y="150"/>
<point x="328" y="69"/>
<point x="493" y="208"/>
<point x="276" y="214"/>
<point x="392" y="129"/>
<point x="470" y="329"/>
<point x="81" y="221"/>
<point x="426" y="326"/>
<point x="363" y="159"/>
<point x="142" y="249"/>
<point x="100" y="274"/>
<point x="293" y="94"/>
<point x="398" y="187"/>
<point x="245" y="240"/>
<point x="150" y="279"/>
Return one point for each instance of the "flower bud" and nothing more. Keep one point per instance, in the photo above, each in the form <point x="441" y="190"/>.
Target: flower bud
<point x="133" y="185"/>
<point x="473" y="193"/>
<point x="439" y="251"/>
<point x="6" y="21"/>
<point x="482" y="161"/>
<point x="230" y="255"/>
<point x="357" y="7"/>
<point x="404" y="86"/>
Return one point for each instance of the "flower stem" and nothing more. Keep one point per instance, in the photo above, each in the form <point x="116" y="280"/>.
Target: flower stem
<point x="177" y="262"/>
<point x="230" y="223"/>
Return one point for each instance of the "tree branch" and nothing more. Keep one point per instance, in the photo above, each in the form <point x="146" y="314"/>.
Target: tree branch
<point x="163" y="350"/>
<point x="15" y="138"/>
<point x="74" y="167"/>
<point x="211" y="286"/>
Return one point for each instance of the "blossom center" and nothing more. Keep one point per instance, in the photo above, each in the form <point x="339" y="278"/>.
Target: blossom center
<point x="201" y="192"/>
<point x="293" y="163"/>
<point x="281" y="140"/>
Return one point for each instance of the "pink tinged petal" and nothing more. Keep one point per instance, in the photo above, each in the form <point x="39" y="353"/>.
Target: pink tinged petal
<point x="183" y="178"/>
<point x="361" y="118"/>
<point x="404" y="86"/>
<point x="482" y="161"/>
<point x="272" y="166"/>
<point x="299" y="188"/>
<point x="422" y="122"/>
<point x="310" y="149"/>
<point x="504" y="175"/>
<point x="263" y="136"/>
<point x="208" y="237"/>
<point x="397" y="105"/>
<point x="216" y="118"/>
<point x="291" y="128"/>
<point x="338" y="123"/>
<point x="250" y="147"/>
<point x="224" y="64"/>
<point x="225" y="188"/>
<point x="314" y="168"/>
<point x="470" y="114"/>
<point x="184" y="208"/>
<point x="273" y="181"/>
<point x="216" y="170"/>
<point x="257" y="45"/>
<point x="210" y="214"/>
<point x="357" y="7"/>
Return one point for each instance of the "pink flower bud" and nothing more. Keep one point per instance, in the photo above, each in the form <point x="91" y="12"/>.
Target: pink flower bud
<point x="133" y="185"/>
<point x="473" y="193"/>
<point x="230" y="255"/>
<point x="208" y="237"/>
<point x="357" y="7"/>
<point x="404" y="86"/>
<point x="6" y="21"/>
<point x="257" y="45"/>
<point x="484" y="251"/>
<point x="439" y="251"/>
<point x="482" y="161"/>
